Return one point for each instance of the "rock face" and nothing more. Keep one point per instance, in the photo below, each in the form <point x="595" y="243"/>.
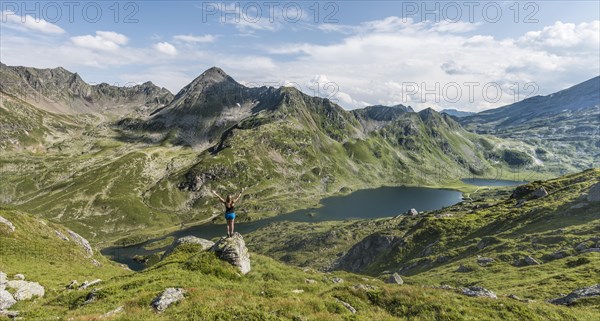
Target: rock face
<point x="484" y="261"/>
<point x="205" y="244"/>
<point x="81" y="242"/>
<point x="540" y="192"/>
<point x="6" y="222"/>
<point x="477" y="291"/>
<point x="365" y="252"/>
<point x="6" y="300"/>
<point x="87" y="284"/>
<point x="531" y="261"/>
<point x="594" y="193"/>
<point x="395" y="279"/>
<point x="233" y="250"/>
<point x="412" y="212"/>
<point x="167" y="297"/>
<point x="463" y="269"/>
<point x="591" y="291"/>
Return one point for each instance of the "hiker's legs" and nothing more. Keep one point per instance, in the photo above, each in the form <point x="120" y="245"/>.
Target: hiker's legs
<point x="232" y="225"/>
<point x="229" y="229"/>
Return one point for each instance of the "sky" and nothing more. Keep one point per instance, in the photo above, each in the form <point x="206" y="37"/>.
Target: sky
<point x="464" y="55"/>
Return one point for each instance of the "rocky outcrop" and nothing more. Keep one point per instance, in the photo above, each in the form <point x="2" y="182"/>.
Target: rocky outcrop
<point x="539" y="193"/>
<point x="347" y="306"/>
<point x="8" y="223"/>
<point x="81" y="242"/>
<point x="204" y="244"/>
<point x="394" y="279"/>
<point x="365" y="252"/>
<point x="28" y="290"/>
<point x="6" y="299"/>
<point x="167" y="297"/>
<point x="477" y="291"/>
<point x="87" y="284"/>
<point x="594" y="193"/>
<point x="463" y="269"/>
<point x="591" y="291"/>
<point x="526" y="261"/>
<point x="233" y="250"/>
<point x="484" y="261"/>
<point x="412" y="212"/>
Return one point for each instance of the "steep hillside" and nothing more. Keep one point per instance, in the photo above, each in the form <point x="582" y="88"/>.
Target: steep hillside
<point x="485" y="242"/>
<point x="563" y="125"/>
<point x="214" y="290"/>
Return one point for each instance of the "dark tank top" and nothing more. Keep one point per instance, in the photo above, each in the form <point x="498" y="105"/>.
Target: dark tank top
<point x="229" y="209"/>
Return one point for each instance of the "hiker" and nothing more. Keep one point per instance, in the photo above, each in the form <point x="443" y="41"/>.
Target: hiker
<point x="229" y="203"/>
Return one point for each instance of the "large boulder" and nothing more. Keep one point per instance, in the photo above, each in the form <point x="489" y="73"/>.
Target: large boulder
<point x="233" y="250"/>
<point x="594" y="193"/>
<point x="204" y="244"/>
<point x="590" y="291"/>
<point x="167" y="297"/>
<point x="412" y="212"/>
<point x="6" y="222"/>
<point x="394" y="279"/>
<point x="25" y="290"/>
<point x="6" y="300"/>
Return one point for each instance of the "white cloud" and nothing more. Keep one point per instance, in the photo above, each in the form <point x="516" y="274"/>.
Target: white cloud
<point x="379" y="60"/>
<point x="29" y="23"/>
<point x="195" y="39"/>
<point x="103" y="40"/>
<point x="166" y="48"/>
<point x="563" y="36"/>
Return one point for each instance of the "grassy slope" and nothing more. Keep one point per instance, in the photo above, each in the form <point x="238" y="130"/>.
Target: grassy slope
<point x="263" y="294"/>
<point x="538" y="228"/>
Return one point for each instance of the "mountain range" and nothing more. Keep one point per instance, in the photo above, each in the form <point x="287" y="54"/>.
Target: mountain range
<point x="124" y="165"/>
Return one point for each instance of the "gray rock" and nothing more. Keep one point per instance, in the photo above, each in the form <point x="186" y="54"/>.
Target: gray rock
<point x="204" y="244"/>
<point x="112" y="312"/>
<point x="3" y="278"/>
<point x="86" y="284"/>
<point x="6" y="222"/>
<point x="477" y="291"/>
<point x="540" y="192"/>
<point x="464" y="269"/>
<point x="26" y="290"/>
<point x="233" y="250"/>
<point x="81" y="242"/>
<point x="395" y="279"/>
<point x="582" y="246"/>
<point x="365" y="287"/>
<point x="72" y="285"/>
<point x="348" y="306"/>
<point x="19" y="277"/>
<point x="91" y="297"/>
<point x="167" y="297"/>
<point x="310" y="281"/>
<point x="531" y="261"/>
<point x="592" y="249"/>
<point x="337" y="280"/>
<point x="594" y="193"/>
<point x="558" y="255"/>
<point x="484" y="261"/>
<point x="591" y="291"/>
<point x="365" y="252"/>
<point x="412" y="212"/>
<point x="6" y="300"/>
<point x="61" y="236"/>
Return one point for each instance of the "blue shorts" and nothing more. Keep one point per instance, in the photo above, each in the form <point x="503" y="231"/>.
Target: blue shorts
<point x="230" y="216"/>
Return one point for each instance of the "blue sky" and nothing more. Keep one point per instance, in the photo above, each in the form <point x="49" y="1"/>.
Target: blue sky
<point x="440" y="54"/>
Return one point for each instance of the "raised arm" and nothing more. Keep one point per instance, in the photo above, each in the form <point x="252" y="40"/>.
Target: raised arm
<point x="240" y="195"/>
<point x="219" y="196"/>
